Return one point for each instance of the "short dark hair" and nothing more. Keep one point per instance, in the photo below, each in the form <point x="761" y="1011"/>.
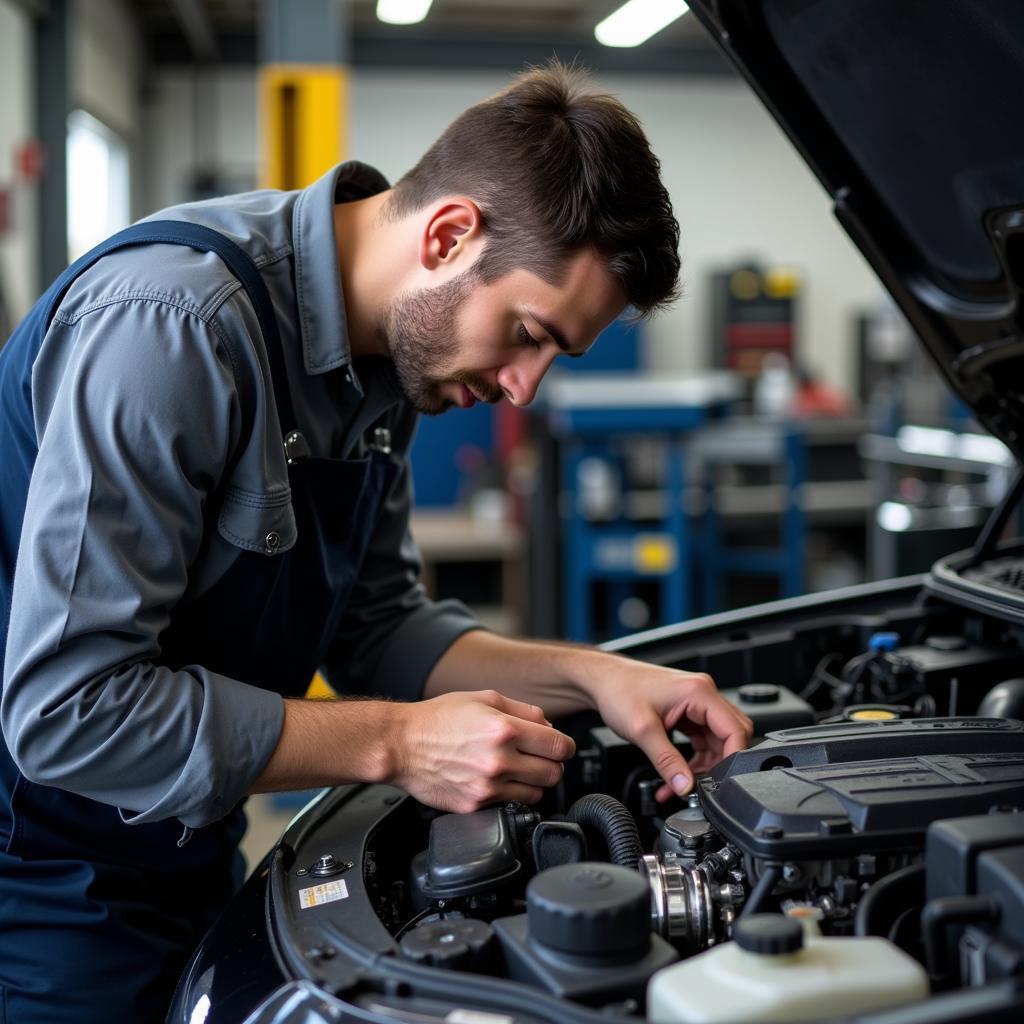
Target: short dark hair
<point x="555" y="168"/>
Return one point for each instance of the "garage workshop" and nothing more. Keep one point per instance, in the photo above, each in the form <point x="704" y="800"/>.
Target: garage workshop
<point x="511" y="512"/>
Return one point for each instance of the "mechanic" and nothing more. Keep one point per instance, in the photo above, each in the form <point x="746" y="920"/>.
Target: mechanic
<point x="181" y="573"/>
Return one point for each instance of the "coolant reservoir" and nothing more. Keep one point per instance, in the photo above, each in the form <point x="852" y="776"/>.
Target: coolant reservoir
<point x="774" y="971"/>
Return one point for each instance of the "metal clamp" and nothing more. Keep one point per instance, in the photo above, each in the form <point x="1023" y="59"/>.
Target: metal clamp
<point x="681" y="903"/>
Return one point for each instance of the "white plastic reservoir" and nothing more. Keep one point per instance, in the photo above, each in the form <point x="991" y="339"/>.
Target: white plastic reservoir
<point x="775" y="970"/>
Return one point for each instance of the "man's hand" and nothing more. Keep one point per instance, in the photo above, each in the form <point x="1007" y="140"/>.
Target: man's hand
<point x="461" y="751"/>
<point x="643" y="703"/>
<point x="640" y="702"/>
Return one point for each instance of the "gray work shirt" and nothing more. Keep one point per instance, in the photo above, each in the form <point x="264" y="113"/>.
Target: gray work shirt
<point x="140" y="395"/>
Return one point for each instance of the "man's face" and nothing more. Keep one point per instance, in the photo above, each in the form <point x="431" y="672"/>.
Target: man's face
<point x="463" y="341"/>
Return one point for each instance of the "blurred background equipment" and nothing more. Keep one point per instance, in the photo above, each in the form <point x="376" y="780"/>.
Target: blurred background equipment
<point x="618" y="436"/>
<point x="753" y="317"/>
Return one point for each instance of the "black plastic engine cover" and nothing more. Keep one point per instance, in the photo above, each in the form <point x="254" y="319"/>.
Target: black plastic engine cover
<point x="838" y="810"/>
<point x="861" y="741"/>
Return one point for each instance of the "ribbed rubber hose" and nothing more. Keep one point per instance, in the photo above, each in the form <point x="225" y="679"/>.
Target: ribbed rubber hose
<point x="607" y="816"/>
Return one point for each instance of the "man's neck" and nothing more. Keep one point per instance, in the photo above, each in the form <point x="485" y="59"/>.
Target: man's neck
<point x="368" y="257"/>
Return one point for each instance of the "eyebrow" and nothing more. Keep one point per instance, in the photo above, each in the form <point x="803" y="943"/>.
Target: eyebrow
<point x="559" y="335"/>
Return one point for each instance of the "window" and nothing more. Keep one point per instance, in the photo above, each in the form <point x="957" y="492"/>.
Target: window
<point x="98" y="190"/>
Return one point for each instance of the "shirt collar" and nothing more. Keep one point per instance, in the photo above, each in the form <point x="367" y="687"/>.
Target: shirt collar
<point x="321" y="305"/>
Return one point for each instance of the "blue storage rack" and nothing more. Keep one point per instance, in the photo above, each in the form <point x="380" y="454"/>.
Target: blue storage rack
<point x="593" y="417"/>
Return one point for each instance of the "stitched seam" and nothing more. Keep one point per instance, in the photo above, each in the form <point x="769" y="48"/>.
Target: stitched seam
<point x="301" y="298"/>
<point x="233" y="286"/>
<point x="163" y="300"/>
<point x="221" y="296"/>
<point x="332" y="365"/>
<point x="254" y="499"/>
<point x="218" y="330"/>
<point x="251" y="545"/>
<point x="300" y="261"/>
<point x="135" y="296"/>
<point x="274" y="256"/>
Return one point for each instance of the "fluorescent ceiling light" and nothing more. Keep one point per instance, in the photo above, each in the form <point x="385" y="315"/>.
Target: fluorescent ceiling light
<point x="636" y="21"/>
<point x="402" y="12"/>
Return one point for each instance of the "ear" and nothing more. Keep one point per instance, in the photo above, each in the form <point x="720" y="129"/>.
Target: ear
<point x="450" y="226"/>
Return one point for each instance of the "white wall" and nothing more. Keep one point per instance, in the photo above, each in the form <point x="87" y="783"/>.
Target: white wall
<point x="738" y="187"/>
<point x="106" y="53"/>
<point x="18" y="253"/>
<point x="199" y="119"/>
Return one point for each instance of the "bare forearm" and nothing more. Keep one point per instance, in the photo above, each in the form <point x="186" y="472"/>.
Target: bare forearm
<point x="557" y="677"/>
<point x="328" y="743"/>
<point x="459" y="752"/>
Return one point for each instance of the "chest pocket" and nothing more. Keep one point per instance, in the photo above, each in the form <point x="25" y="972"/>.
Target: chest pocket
<point x="264" y="523"/>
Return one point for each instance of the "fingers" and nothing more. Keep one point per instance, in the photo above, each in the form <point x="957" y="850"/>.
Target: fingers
<point x="737" y="740"/>
<point x="667" y="761"/>
<point x="725" y="728"/>
<point x="718" y="729"/>
<point x="467" y="800"/>
<point x="527" y="728"/>
<point x="544" y="741"/>
<point x="534" y="771"/>
<point x="523" y="794"/>
<point x="503" y="777"/>
<point x="515" y="708"/>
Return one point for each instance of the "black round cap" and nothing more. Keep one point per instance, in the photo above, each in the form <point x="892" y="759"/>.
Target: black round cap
<point x="460" y="943"/>
<point x="771" y="934"/>
<point x="590" y="909"/>
<point x="759" y="693"/>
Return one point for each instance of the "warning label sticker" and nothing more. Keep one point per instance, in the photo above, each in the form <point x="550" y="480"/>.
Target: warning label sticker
<point x="326" y="892"/>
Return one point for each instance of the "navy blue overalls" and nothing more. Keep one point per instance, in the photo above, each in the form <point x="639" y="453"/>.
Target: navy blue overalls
<point x="97" y="917"/>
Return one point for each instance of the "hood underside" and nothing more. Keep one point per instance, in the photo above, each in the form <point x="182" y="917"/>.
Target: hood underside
<point x="909" y="114"/>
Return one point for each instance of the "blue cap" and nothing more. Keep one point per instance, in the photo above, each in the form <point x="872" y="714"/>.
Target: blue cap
<point x="883" y="642"/>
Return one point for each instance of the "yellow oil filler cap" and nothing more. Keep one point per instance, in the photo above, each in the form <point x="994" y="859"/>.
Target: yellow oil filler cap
<point x="872" y="715"/>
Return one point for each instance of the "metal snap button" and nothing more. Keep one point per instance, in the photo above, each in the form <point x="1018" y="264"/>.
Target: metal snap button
<point x="273" y="542"/>
<point x="381" y="441"/>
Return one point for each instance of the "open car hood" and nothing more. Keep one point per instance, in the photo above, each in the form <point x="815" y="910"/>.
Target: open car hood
<point x="910" y="115"/>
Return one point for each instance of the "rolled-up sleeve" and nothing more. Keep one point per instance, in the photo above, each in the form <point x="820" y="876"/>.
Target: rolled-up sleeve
<point x="392" y="633"/>
<point x="136" y="417"/>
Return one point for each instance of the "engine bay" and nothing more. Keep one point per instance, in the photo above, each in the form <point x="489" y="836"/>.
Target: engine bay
<point x="878" y="813"/>
<point x="862" y="860"/>
<point x="853" y="826"/>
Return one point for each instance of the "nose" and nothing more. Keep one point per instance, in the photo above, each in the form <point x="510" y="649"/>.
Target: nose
<point x="520" y="378"/>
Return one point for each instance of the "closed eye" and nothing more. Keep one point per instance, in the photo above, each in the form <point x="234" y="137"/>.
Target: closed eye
<point x="527" y="338"/>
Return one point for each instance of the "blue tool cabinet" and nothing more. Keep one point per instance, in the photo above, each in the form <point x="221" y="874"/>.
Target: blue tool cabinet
<point x="596" y="419"/>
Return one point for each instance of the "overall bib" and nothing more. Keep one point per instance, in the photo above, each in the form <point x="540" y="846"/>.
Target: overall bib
<point x="98" y="917"/>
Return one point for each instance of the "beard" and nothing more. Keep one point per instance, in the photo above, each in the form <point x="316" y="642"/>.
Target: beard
<point x="420" y="328"/>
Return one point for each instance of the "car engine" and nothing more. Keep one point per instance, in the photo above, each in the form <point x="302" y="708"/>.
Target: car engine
<point x="840" y="823"/>
<point x="866" y="853"/>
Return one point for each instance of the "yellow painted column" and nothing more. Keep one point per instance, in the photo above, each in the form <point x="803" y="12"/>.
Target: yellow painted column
<point x="303" y="89"/>
<point x="305" y="121"/>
